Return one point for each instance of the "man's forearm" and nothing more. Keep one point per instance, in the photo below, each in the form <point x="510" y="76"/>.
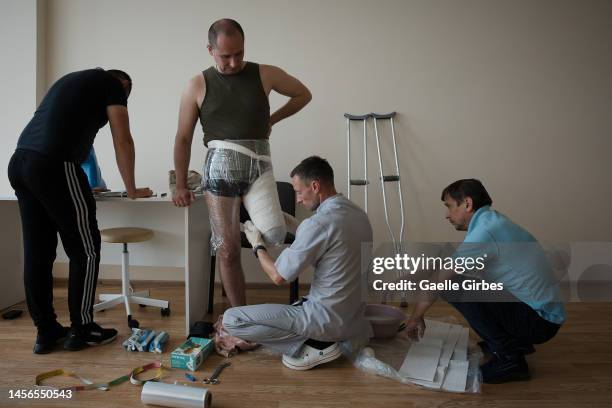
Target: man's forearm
<point x="182" y="154"/>
<point x="126" y="156"/>
<point x="428" y="298"/>
<point x="267" y="264"/>
<point x="292" y="106"/>
<point x="421" y="307"/>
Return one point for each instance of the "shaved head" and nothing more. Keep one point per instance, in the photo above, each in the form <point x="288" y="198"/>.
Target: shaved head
<point x="225" y="26"/>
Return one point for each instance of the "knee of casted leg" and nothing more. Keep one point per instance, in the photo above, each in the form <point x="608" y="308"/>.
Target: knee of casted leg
<point x="275" y="236"/>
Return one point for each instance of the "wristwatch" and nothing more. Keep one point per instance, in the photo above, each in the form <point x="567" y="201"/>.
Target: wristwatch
<point x="257" y="248"/>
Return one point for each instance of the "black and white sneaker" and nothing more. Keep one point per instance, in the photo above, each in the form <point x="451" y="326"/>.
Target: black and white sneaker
<point x="309" y="357"/>
<point x="89" y="335"/>
<point x="49" y="337"/>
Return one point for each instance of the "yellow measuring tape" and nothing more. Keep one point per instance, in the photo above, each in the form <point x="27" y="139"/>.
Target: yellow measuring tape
<point x="104" y="386"/>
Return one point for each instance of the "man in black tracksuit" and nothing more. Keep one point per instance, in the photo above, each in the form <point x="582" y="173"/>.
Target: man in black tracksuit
<point x="54" y="197"/>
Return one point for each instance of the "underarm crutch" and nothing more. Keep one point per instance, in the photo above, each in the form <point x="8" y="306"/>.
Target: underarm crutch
<point x="391" y="178"/>
<point x="364" y="181"/>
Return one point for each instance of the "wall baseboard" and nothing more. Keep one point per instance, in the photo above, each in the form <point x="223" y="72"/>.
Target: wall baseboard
<point x="63" y="282"/>
<point x="153" y="276"/>
<point x="137" y="273"/>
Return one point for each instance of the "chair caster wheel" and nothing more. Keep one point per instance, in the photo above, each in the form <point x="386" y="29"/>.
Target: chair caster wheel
<point x="142" y="305"/>
<point x="165" y="311"/>
<point x="133" y="323"/>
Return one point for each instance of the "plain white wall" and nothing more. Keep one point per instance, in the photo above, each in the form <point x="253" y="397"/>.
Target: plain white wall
<point x="18" y="76"/>
<point x="516" y="93"/>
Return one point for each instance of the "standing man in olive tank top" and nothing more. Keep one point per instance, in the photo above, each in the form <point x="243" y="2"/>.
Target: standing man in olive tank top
<point x="231" y="101"/>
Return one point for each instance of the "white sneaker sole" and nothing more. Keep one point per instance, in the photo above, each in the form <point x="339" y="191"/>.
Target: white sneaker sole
<point x="330" y="357"/>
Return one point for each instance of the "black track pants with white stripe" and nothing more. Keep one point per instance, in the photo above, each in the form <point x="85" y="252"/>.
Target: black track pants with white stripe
<point x="55" y="197"/>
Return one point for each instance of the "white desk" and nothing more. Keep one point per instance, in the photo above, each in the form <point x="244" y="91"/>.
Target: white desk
<point x="156" y="213"/>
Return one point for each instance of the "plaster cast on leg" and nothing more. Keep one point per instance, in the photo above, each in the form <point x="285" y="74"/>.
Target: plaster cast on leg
<point x="263" y="205"/>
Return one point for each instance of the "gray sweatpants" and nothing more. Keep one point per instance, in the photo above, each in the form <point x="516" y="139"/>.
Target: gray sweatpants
<point x="269" y="325"/>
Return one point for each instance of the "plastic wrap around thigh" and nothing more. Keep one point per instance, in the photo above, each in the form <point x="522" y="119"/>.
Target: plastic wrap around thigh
<point x="263" y="205"/>
<point x="230" y="168"/>
<point x="224" y="216"/>
<point x="227" y="172"/>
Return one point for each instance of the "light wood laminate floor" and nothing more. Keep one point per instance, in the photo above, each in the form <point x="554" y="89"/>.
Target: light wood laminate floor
<point x="572" y="370"/>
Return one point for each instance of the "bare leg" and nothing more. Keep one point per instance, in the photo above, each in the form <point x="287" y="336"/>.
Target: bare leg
<point x="225" y="223"/>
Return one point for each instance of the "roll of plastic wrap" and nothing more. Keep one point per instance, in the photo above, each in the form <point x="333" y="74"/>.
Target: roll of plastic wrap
<point x="175" y="395"/>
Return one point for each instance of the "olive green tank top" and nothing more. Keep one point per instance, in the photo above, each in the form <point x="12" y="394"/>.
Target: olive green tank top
<point x="235" y="107"/>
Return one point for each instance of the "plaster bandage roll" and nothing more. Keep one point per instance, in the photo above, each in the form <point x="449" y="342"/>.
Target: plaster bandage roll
<point x="263" y="206"/>
<point x="175" y="395"/>
<point x="159" y="342"/>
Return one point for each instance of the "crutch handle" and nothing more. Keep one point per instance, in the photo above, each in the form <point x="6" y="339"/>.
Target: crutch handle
<point x="383" y="115"/>
<point x="390" y="178"/>
<point x="359" y="182"/>
<point x="356" y="117"/>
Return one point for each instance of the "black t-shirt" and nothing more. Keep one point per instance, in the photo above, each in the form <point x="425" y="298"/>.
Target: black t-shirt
<point x="66" y="122"/>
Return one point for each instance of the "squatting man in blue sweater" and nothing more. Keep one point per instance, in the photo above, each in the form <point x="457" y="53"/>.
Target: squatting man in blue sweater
<point x="534" y="311"/>
<point x="307" y="334"/>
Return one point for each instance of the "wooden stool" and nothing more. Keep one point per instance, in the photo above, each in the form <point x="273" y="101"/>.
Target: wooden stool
<point x="127" y="295"/>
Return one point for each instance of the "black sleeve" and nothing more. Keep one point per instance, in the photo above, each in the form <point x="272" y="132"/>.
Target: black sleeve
<point x="115" y="95"/>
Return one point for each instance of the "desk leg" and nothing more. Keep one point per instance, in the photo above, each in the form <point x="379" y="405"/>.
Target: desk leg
<point x="197" y="262"/>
